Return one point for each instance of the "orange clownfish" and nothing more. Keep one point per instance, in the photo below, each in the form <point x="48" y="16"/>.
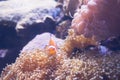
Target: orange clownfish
<point x="51" y="48"/>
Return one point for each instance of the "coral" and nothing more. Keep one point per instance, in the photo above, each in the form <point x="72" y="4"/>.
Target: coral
<point x="87" y="67"/>
<point x="77" y="41"/>
<point x="37" y="65"/>
<point x="31" y="66"/>
<point x="99" y="18"/>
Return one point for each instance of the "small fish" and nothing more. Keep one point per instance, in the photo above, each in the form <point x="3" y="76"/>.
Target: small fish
<point x="51" y="48"/>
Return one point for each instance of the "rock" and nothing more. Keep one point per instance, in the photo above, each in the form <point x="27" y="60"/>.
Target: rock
<point x="8" y="35"/>
<point x="35" y="19"/>
<point x="31" y="30"/>
<point x="61" y="1"/>
<point x="112" y="43"/>
<point x="31" y="15"/>
<point x="40" y="42"/>
<point x="70" y="10"/>
<point x="62" y="29"/>
<point x="44" y="17"/>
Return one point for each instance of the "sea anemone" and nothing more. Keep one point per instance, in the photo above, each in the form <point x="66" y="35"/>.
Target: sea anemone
<point x="76" y="41"/>
<point x="37" y="65"/>
<point x="31" y="66"/>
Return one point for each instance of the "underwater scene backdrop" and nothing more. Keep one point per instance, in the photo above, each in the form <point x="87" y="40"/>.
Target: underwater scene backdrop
<point x="59" y="39"/>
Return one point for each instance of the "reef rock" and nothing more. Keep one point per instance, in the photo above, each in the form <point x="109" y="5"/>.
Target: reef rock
<point x="41" y="41"/>
<point x="98" y="18"/>
<point x="8" y="34"/>
<point x="112" y="43"/>
<point x="28" y="15"/>
<point x="70" y="6"/>
<point x="62" y="29"/>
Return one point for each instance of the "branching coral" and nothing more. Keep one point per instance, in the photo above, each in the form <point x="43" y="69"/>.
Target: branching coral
<point x="98" y="17"/>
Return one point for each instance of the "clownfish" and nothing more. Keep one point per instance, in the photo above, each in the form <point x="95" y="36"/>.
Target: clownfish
<point x="51" y="47"/>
